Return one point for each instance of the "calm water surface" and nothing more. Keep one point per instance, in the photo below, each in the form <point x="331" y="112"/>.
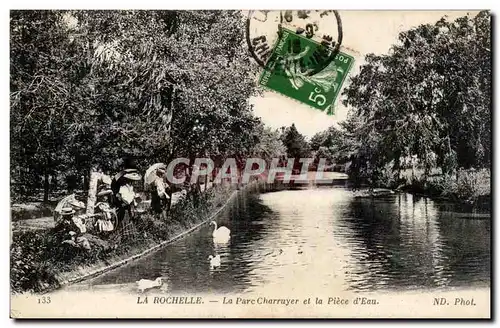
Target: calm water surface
<point x="322" y="238"/>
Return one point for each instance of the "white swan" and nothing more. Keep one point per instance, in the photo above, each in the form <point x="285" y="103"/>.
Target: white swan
<point x="144" y="284"/>
<point x="214" y="261"/>
<point x="222" y="234"/>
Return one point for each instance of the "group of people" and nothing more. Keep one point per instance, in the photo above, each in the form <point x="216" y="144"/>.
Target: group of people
<point x="114" y="211"/>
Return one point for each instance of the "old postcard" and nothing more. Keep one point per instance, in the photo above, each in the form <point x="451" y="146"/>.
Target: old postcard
<point x="250" y="164"/>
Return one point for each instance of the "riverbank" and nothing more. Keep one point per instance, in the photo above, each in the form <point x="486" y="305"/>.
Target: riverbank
<point x="469" y="187"/>
<point x="40" y="264"/>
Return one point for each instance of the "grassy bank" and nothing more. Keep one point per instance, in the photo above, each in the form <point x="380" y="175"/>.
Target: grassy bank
<point x="28" y="211"/>
<point x="39" y="262"/>
<point x="464" y="186"/>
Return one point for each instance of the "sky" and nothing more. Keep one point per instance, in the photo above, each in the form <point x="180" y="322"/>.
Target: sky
<point x="364" y="32"/>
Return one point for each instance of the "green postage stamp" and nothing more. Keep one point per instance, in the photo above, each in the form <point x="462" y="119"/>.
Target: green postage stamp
<point x="286" y="72"/>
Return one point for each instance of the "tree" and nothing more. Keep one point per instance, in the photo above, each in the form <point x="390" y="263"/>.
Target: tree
<point x="325" y="144"/>
<point x="268" y="144"/>
<point x="430" y="95"/>
<point x="295" y="143"/>
<point x="41" y="103"/>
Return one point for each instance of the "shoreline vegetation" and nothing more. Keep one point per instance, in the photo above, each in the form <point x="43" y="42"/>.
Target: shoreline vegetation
<point x="468" y="187"/>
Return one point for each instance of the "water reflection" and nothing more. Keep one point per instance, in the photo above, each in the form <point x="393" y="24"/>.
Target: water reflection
<point x="321" y="239"/>
<point x="404" y="242"/>
<point x="184" y="265"/>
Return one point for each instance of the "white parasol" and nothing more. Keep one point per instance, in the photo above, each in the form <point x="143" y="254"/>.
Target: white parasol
<point x="68" y="201"/>
<point x="127" y="173"/>
<point x="150" y="175"/>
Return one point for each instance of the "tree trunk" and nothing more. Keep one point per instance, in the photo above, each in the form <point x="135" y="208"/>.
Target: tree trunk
<point x="412" y="169"/>
<point x="169" y="200"/>
<point x="92" y="195"/>
<point x="46" y="186"/>
<point x="85" y="181"/>
<point x="54" y="182"/>
<point x="397" y="167"/>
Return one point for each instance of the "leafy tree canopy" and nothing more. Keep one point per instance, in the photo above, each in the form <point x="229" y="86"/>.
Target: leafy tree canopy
<point x="430" y="97"/>
<point x="89" y="88"/>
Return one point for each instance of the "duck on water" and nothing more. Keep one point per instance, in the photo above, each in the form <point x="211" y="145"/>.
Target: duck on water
<point x="145" y="284"/>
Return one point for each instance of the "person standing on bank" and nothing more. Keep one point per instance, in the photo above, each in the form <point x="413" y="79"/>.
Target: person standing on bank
<point x="194" y="183"/>
<point x="159" y="196"/>
<point x="125" y="195"/>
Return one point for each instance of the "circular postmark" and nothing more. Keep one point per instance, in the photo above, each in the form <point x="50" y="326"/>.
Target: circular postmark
<point x="305" y="41"/>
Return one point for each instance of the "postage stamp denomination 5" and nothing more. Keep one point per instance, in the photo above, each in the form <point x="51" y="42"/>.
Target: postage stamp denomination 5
<point x="292" y="58"/>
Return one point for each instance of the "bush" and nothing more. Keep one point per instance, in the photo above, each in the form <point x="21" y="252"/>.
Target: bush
<point x="386" y="177"/>
<point x="29" y="261"/>
<point x="444" y="185"/>
<point x="472" y="184"/>
<point x="465" y="185"/>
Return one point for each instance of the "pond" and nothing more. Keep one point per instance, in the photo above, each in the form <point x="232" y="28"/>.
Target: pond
<point x="322" y="238"/>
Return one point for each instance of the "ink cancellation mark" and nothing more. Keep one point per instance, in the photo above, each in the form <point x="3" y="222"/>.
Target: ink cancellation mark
<point x="265" y="30"/>
<point x="318" y="91"/>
